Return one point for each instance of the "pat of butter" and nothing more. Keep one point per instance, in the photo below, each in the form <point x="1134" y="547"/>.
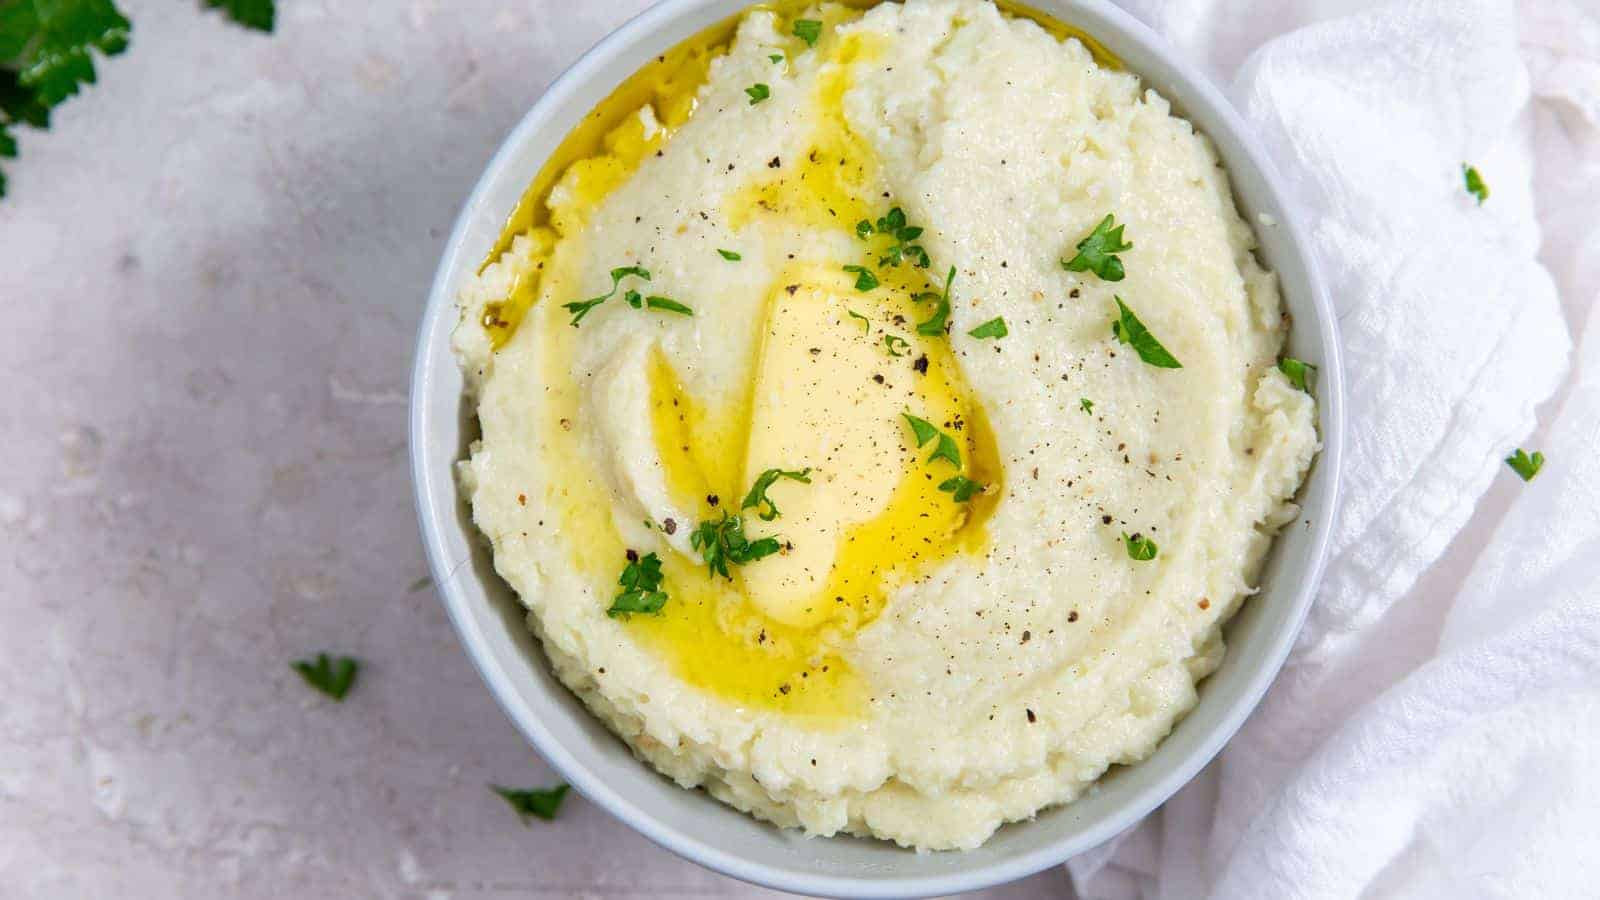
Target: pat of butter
<point x="817" y="405"/>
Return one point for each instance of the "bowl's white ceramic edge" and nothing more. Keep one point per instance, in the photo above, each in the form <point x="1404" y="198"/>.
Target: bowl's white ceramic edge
<point x="434" y="519"/>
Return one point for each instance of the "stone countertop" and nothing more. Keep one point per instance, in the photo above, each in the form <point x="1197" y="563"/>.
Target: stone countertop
<point x="214" y="264"/>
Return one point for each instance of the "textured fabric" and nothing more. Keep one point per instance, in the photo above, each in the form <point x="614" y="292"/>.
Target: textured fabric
<point x="1431" y="735"/>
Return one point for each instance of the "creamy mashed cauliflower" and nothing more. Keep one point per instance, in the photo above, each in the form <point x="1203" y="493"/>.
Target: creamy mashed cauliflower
<point x="997" y="537"/>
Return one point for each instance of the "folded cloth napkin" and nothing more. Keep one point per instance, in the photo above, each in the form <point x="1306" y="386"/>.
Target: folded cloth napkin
<point x="1432" y="735"/>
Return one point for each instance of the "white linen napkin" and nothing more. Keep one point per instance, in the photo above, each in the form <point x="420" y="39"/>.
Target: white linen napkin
<point x="1431" y="735"/>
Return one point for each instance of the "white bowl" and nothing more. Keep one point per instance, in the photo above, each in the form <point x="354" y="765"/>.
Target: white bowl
<point x="490" y="619"/>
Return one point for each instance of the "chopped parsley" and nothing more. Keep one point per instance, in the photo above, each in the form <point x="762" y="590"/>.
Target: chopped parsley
<point x="1087" y="404"/>
<point x="758" y="500"/>
<point x="808" y="30"/>
<point x="941" y="313"/>
<point x="723" y="542"/>
<point x="776" y="57"/>
<point x="1524" y="465"/>
<point x="893" y="226"/>
<point x="1140" y="549"/>
<point x="666" y="304"/>
<point x="1299" y="373"/>
<point x="960" y="488"/>
<point x="729" y="255"/>
<point x="541" y="804"/>
<point x="331" y="676"/>
<point x="641" y="587"/>
<point x="581" y="308"/>
<point x="897" y="345"/>
<point x="1475" y="185"/>
<point x="758" y="92"/>
<point x="865" y="280"/>
<point x="1129" y="330"/>
<point x="924" y="431"/>
<point x="994" y="328"/>
<point x="866" y="324"/>
<point x="1097" y="253"/>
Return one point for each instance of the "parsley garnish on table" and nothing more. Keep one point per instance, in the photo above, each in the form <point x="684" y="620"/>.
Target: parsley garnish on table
<point x="331" y="676"/>
<point x="1097" y="253"/>
<point x="539" y="803"/>
<point x="1524" y="465"/>
<point x="758" y="500"/>
<point x="641" y="587"/>
<point x="1474" y="181"/>
<point x="47" y="50"/>
<point x="1129" y="330"/>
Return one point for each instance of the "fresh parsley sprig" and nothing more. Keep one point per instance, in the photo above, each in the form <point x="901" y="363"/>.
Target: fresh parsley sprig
<point x="641" y="587"/>
<point x="539" y="803"/>
<point x="581" y="308"/>
<point x="958" y="486"/>
<point x="330" y="675"/>
<point x="1097" y="253"/>
<point x="1129" y="330"/>
<point x="758" y="500"/>
<point x="1524" y="465"/>
<point x="723" y="542"/>
<point x="47" y="50"/>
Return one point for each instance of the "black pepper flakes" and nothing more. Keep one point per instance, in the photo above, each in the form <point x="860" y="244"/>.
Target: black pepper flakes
<point x="1031" y="717"/>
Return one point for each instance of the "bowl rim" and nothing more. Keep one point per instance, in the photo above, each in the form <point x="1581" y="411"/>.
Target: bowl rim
<point x="437" y="517"/>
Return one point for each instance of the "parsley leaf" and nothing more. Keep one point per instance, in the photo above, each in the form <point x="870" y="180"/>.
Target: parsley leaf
<point x="1299" y="373"/>
<point x="758" y="92"/>
<point x="46" y="53"/>
<point x="729" y="255"/>
<point x="333" y="677"/>
<point x="1129" y="330"/>
<point x="894" y="343"/>
<point x="776" y="57"/>
<point x="865" y="280"/>
<point x="533" y="802"/>
<point x="1524" y="465"/>
<point x="1087" y="404"/>
<point x="994" y="328"/>
<point x="866" y="324"/>
<point x="924" y="431"/>
<point x="667" y="304"/>
<point x="808" y="30"/>
<point x="641" y="587"/>
<point x="581" y="308"/>
<point x="1140" y="549"/>
<point x="723" y="542"/>
<point x="941" y="314"/>
<point x="758" y="500"/>
<point x="893" y="225"/>
<point x="1098" y="252"/>
<point x="1475" y="185"/>
<point x="257" y="14"/>
<point x="960" y="488"/>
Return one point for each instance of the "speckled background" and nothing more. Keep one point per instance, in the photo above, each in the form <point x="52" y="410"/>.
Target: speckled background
<point x="211" y="271"/>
